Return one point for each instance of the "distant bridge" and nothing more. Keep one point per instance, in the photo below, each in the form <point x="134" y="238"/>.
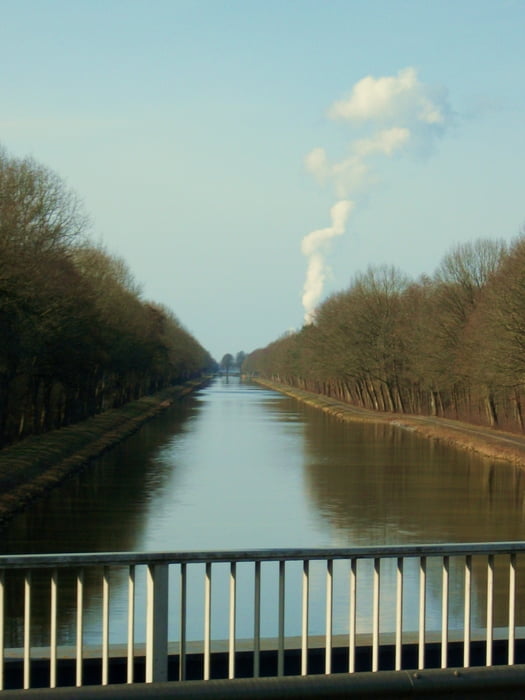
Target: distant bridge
<point x="391" y="597"/>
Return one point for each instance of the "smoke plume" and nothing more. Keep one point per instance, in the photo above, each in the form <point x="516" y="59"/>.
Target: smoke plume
<point x="402" y="115"/>
<point x="315" y="245"/>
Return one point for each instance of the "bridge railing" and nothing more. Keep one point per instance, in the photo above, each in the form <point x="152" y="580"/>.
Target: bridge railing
<point x="363" y="596"/>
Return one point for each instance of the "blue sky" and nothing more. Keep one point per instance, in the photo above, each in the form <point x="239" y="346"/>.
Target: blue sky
<point x="185" y="127"/>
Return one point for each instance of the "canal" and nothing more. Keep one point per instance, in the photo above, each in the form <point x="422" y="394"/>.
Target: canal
<point x="236" y="466"/>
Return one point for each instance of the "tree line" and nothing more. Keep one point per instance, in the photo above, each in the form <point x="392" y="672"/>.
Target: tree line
<point x="76" y="337"/>
<point x="231" y="363"/>
<point x="451" y="344"/>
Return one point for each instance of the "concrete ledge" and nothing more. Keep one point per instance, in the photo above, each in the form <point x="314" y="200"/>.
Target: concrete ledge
<point x="505" y="683"/>
<point x="244" y="663"/>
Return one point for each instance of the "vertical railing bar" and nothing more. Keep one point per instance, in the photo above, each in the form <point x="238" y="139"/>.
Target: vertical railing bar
<point x="280" y="647"/>
<point x="105" y="625"/>
<point x="80" y="628"/>
<point x="490" y="607"/>
<point x="512" y="607"/>
<point x="467" y="611"/>
<point x="231" y="648"/>
<point x="207" y="621"/>
<point x="53" y="631"/>
<point x="157" y="613"/>
<point x="27" y="630"/>
<point x="375" y="615"/>
<point x="399" y="614"/>
<point x="422" y="611"/>
<point x="257" y="620"/>
<point x="2" y="623"/>
<point x="444" y="612"/>
<point x="352" y="616"/>
<point x="131" y="623"/>
<point x="182" y="631"/>
<point x="329" y="615"/>
<point x="304" y="617"/>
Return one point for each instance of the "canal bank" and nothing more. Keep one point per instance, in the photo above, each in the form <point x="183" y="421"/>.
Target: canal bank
<point x="32" y="467"/>
<point x="488" y="442"/>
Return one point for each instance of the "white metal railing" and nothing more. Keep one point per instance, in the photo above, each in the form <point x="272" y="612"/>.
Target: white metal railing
<point x="371" y="595"/>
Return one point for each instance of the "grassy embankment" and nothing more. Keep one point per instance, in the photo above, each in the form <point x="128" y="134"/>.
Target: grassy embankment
<point x="490" y="443"/>
<point x="33" y="466"/>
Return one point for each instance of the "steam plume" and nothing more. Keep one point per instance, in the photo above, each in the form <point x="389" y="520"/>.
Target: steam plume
<point x="405" y="115"/>
<point x="314" y="246"/>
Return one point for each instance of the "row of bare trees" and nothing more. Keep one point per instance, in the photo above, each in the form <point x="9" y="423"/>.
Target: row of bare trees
<point x="451" y="345"/>
<point x="76" y="337"/>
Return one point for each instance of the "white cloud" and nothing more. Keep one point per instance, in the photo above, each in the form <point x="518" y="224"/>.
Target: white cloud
<point x="386" y="142"/>
<point x="399" y="99"/>
<point x="430" y="113"/>
<point x="316" y="163"/>
<point x="376" y="98"/>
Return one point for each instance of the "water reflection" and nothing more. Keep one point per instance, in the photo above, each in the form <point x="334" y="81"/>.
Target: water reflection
<point x="105" y="507"/>
<point x="377" y="484"/>
<point x="237" y="466"/>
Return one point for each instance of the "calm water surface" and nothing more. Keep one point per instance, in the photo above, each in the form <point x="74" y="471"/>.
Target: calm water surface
<point x="236" y="466"/>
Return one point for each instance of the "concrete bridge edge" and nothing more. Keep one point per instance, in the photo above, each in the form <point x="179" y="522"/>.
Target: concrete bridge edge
<point x="505" y="682"/>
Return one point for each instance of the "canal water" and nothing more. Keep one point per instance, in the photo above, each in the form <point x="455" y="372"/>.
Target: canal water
<point x="236" y="466"/>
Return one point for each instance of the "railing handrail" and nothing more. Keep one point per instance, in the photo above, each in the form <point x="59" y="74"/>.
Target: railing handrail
<point x="286" y="554"/>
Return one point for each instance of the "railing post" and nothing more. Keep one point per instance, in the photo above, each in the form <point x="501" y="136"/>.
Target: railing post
<point x="422" y="611"/>
<point x="182" y="622"/>
<point x="2" y="585"/>
<point x="27" y="630"/>
<point x="352" y="621"/>
<point x="329" y="615"/>
<point x="512" y="608"/>
<point x="233" y="615"/>
<point x="53" y="631"/>
<point x="444" y="612"/>
<point x="281" y="613"/>
<point x="157" y="623"/>
<point x="490" y="608"/>
<point x="207" y="621"/>
<point x="304" y="618"/>
<point x="467" y="611"/>
<point x="257" y="621"/>
<point x="105" y="625"/>
<point x="375" y="614"/>
<point x="131" y="623"/>
<point x="399" y="614"/>
<point x="80" y="629"/>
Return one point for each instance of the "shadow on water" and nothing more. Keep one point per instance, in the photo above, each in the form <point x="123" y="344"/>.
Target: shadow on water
<point x="103" y="508"/>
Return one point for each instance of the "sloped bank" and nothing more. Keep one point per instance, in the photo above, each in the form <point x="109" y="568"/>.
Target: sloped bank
<point x="491" y="443"/>
<point x="32" y="467"/>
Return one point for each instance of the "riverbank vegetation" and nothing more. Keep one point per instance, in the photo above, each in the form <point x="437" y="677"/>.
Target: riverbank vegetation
<point x="33" y="466"/>
<point x="496" y="445"/>
<point x="450" y="345"/>
<point x="76" y="336"/>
